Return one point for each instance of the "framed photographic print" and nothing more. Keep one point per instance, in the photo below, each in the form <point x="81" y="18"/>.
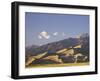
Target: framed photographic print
<point x="50" y="40"/>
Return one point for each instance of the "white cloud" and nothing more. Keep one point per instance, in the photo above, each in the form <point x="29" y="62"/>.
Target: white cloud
<point x="40" y="37"/>
<point x="44" y="34"/>
<point x="47" y="37"/>
<point x="55" y="33"/>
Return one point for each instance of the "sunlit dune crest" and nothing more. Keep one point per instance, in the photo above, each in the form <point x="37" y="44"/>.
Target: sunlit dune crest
<point x="33" y="58"/>
<point x="54" y="58"/>
<point x="78" y="46"/>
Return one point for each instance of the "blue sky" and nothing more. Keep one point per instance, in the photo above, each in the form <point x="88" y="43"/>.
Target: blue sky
<point x="43" y="28"/>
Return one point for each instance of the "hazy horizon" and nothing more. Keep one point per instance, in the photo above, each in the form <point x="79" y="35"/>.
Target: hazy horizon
<point x="43" y="28"/>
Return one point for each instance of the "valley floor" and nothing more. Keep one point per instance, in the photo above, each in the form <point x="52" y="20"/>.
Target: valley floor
<point x="57" y="65"/>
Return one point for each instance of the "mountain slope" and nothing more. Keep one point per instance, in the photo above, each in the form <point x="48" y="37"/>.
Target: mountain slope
<point x="65" y="51"/>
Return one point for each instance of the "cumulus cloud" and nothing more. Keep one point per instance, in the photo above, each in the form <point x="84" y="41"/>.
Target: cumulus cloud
<point x="55" y="33"/>
<point x="47" y="37"/>
<point x="40" y="37"/>
<point x="44" y="34"/>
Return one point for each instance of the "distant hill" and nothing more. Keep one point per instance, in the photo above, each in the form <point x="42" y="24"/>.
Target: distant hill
<point x="69" y="50"/>
<point x="29" y="49"/>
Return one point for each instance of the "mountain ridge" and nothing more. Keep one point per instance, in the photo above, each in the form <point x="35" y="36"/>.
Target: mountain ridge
<point x="63" y="51"/>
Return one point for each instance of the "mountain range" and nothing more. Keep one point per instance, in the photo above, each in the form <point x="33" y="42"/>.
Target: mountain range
<point x="70" y="50"/>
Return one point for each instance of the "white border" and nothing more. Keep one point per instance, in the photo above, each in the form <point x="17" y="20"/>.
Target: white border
<point x="39" y="71"/>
